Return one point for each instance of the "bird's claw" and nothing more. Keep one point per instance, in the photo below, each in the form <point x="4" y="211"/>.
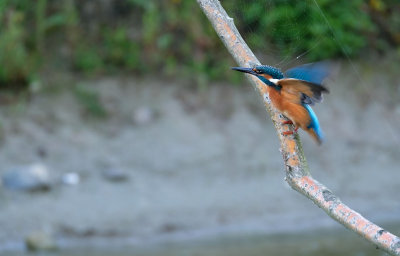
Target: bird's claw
<point x="290" y="132"/>
<point x="287" y="133"/>
<point x="287" y="122"/>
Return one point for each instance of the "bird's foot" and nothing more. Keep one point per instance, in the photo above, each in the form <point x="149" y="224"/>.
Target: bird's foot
<point x="287" y="122"/>
<point x="287" y="133"/>
<point x="290" y="132"/>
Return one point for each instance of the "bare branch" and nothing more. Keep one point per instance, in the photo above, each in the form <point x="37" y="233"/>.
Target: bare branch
<point x="297" y="172"/>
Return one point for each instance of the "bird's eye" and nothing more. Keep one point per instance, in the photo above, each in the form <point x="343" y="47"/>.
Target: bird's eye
<point x="257" y="71"/>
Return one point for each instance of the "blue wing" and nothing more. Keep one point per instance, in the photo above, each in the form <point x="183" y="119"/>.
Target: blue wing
<point x="313" y="72"/>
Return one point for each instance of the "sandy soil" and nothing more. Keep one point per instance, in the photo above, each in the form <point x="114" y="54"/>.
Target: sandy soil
<point x="207" y="162"/>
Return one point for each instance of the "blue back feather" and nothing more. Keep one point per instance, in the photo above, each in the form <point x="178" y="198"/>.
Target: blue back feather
<point x="314" y="122"/>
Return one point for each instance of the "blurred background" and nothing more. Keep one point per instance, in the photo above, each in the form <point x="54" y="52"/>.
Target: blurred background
<point x="123" y="130"/>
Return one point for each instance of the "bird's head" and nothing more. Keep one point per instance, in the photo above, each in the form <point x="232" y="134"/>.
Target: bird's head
<point x="267" y="74"/>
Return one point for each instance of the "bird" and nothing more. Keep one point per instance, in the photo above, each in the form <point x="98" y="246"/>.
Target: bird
<point x="294" y="92"/>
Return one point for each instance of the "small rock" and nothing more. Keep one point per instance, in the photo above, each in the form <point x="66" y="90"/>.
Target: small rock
<point x="169" y="227"/>
<point x="40" y="241"/>
<point x="41" y="152"/>
<point x="71" y="179"/>
<point x="33" y="177"/>
<point x="115" y="175"/>
<point x="143" y="116"/>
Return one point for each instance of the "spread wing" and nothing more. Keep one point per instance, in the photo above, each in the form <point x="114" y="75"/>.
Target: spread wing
<point x="312" y="72"/>
<point x="300" y="91"/>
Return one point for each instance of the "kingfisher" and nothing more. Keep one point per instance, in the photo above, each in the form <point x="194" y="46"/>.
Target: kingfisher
<point x="294" y="92"/>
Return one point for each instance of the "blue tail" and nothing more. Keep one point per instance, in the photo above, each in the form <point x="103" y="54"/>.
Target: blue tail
<point x="314" y="123"/>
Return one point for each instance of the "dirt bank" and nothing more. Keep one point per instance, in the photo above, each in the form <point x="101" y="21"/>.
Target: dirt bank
<point x="203" y="161"/>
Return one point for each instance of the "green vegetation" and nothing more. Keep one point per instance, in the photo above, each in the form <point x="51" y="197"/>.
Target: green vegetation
<point x="172" y="38"/>
<point x="90" y="101"/>
<point x="329" y="27"/>
<point x="16" y="59"/>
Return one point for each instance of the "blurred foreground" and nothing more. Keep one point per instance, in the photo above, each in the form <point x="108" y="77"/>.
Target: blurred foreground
<point x="147" y="161"/>
<point x="310" y="243"/>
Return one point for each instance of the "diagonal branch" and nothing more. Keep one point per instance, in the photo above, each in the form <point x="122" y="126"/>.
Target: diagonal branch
<point x="297" y="171"/>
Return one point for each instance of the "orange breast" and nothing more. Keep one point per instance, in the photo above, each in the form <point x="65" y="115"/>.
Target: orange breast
<point x="295" y="112"/>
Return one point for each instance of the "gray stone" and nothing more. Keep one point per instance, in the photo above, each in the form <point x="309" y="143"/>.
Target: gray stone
<point x="40" y="241"/>
<point x="115" y="175"/>
<point x="71" y="179"/>
<point x="143" y="116"/>
<point x="32" y="177"/>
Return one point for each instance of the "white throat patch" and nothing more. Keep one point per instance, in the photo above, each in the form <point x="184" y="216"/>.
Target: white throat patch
<point x="275" y="81"/>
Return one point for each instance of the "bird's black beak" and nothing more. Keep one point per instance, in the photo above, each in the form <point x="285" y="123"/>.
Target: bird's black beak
<point x="245" y="70"/>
